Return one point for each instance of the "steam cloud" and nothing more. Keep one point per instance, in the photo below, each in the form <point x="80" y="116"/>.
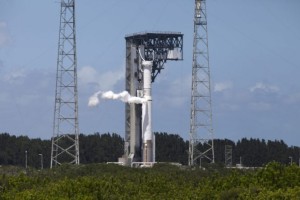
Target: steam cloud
<point x="122" y="96"/>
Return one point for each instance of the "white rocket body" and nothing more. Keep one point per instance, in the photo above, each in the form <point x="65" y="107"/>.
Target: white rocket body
<point x="148" y="147"/>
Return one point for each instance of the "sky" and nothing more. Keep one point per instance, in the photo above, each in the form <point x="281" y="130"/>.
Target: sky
<point x="254" y="49"/>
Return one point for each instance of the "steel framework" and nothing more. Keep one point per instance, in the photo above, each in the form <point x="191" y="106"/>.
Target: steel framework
<point x="201" y="144"/>
<point x="228" y="155"/>
<point x="65" y="140"/>
<point x="156" y="46"/>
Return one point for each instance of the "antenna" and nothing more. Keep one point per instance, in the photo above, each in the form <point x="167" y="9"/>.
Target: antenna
<point x="201" y="144"/>
<point x="65" y="140"/>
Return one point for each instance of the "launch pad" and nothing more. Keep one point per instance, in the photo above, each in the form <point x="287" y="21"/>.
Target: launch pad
<point x="157" y="47"/>
<point x="146" y="54"/>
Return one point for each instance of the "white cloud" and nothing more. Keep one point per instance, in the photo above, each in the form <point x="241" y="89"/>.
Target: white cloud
<point x="264" y="87"/>
<point x="4" y="35"/>
<point x="225" y="106"/>
<point x="4" y="97"/>
<point x="292" y="99"/>
<point x="24" y="82"/>
<point x="27" y="80"/>
<point x="221" y="86"/>
<point x="15" y="76"/>
<point x="175" y="93"/>
<point x="260" y="106"/>
<point x="28" y="99"/>
<point x="2" y="24"/>
<point x="88" y="75"/>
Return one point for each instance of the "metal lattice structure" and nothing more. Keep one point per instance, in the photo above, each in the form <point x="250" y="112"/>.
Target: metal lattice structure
<point x="156" y="46"/>
<point x="228" y="155"/>
<point x="201" y="145"/>
<point x="65" y="140"/>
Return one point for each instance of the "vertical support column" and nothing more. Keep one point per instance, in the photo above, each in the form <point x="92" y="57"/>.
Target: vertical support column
<point x="133" y="112"/>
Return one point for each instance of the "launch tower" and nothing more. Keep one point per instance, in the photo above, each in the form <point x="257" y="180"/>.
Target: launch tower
<point x="65" y="140"/>
<point x="157" y="47"/>
<point x="201" y="145"/>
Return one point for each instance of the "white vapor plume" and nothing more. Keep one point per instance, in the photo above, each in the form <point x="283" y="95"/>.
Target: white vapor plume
<point x="122" y="96"/>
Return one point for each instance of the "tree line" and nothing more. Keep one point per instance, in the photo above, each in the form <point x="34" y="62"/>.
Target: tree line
<point x="107" y="147"/>
<point x="94" y="148"/>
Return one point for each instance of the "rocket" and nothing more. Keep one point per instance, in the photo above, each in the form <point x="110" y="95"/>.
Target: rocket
<point x="147" y="135"/>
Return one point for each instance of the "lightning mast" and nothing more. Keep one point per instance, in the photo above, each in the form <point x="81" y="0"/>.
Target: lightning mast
<point x="65" y="140"/>
<point x="201" y="145"/>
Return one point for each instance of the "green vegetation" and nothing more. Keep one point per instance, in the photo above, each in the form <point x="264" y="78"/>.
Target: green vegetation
<point x="101" y="181"/>
<point x="277" y="180"/>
